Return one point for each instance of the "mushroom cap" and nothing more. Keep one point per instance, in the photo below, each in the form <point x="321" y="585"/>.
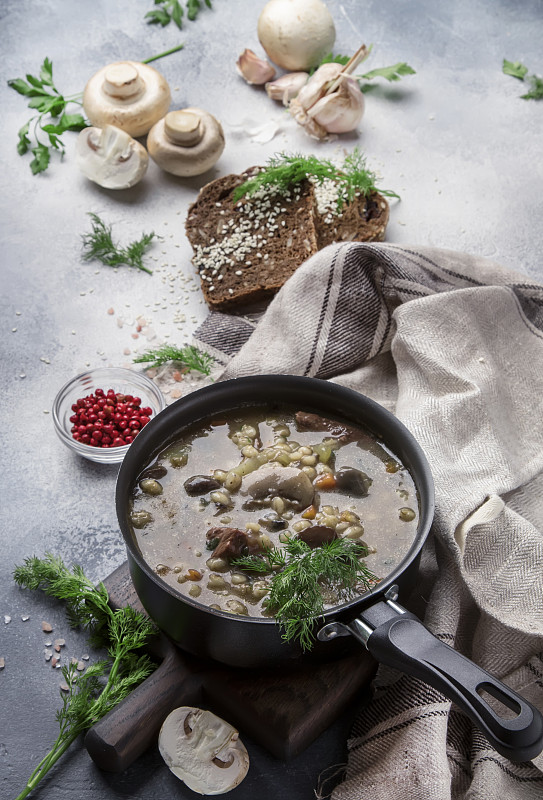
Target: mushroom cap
<point x="203" y="750"/>
<point x="130" y="95"/>
<point x="110" y="157"/>
<point x="271" y="481"/>
<point x="186" y="142"/>
<point x="296" y="34"/>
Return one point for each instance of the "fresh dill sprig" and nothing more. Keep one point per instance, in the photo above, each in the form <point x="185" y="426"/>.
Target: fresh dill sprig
<point x="99" y="245"/>
<point x="189" y="356"/>
<point x="300" y="574"/>
<point x="285" y="170"/>
<point x="104" y="684"/>
<point x="518" y="70"/>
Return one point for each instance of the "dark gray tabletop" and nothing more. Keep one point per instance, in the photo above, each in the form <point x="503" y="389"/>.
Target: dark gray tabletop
<point x="455" y="141"/>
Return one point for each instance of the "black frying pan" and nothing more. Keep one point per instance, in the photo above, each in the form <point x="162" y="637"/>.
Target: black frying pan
<point x="390" y="633"/>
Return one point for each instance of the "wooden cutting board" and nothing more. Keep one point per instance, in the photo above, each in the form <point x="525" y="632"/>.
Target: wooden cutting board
<point x="282" y="710"/>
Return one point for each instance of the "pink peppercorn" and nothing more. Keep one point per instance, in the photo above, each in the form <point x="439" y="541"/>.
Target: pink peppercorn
<point x="108" y="419"/>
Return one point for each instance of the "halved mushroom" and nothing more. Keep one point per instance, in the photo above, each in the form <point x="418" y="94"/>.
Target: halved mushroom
<point x="203" y="750"/>
<point x="287" y="482"/>
<point x="110" y="157"/>
<point x="186" y="142"/>
<point x="130" y="95"/>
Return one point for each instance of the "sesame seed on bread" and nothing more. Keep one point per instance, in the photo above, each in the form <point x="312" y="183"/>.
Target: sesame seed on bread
<point x="245" y="251"/>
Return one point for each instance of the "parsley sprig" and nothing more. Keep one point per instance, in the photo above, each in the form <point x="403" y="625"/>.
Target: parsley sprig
<point x="518" y="70"/>
<point x="166" y="11"/>
<point x="99" y="245"/>
<point x="393" y="73"/>
<point x="45" y="98"/>
<point x="300" y="574"/>
<point x="285" y="170"/>
<point x="105" y="683"/>
<point x="189" y="356"/>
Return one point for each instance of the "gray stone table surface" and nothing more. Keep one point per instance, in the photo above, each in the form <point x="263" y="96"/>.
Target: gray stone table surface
<point x="455" y="141"/>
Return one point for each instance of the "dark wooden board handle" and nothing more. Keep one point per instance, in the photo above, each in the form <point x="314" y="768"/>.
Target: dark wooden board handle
<point x="132" y="727"/>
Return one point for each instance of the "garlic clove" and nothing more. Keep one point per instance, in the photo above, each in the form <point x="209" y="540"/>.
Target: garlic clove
<point x="286" y="87"/>
<point x="254" y="69"/>
<point x="317" y="84"/>
<point x="341" y="110"/>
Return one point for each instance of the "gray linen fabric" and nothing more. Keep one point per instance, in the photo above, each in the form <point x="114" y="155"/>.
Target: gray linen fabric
<point x="453" y="345"/>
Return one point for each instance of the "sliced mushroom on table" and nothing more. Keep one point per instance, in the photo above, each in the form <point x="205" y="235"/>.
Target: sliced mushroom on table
<point x="203" y="750"/>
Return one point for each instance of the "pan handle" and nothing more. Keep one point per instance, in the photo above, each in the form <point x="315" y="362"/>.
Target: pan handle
<point x="398" y="638"/>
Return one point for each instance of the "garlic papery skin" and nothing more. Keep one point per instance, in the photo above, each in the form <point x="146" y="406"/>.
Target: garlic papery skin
<point x="341" y="110"/>
<point x="286" y="87"/>
<point x="253" y="69"/>
<point x="317" y="84"/>
<point x="321" y="114"/>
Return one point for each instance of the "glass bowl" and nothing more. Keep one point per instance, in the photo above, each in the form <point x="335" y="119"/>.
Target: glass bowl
<point x="124" y="381"/>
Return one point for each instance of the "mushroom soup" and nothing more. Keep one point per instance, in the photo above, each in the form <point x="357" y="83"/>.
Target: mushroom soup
<point x="251" y="480"/>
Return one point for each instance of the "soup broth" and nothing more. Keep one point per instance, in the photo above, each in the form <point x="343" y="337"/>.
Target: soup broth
<point x="250" y="480"/>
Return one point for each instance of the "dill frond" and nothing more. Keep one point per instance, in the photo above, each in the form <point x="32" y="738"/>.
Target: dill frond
<point x="190" y="357"/>
<point x="296" y="594"/>
<point x="99" y="245"/>
<point x="284" y="170"/>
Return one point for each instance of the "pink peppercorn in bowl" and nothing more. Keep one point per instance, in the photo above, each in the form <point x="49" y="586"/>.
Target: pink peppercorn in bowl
<point x="98" y="413"/>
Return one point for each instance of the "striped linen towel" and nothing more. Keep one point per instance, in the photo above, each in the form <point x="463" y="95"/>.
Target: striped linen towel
<point x="452" y="344"/>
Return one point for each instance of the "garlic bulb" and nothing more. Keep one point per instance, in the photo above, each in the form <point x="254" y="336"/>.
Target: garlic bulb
<point x="330" y="102"/>
<point x="286" y="87"/>
<point x="254" y="69"/>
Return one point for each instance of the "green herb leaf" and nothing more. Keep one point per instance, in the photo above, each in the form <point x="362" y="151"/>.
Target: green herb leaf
<point x="167" y="11"/>
<point x="46" y="72"/>
<point x="393" y="73"/>
<point x="158" y="16"/>
<point x="20" y="86"/>
<point x="124" y="631"/>
<point x="189" y="356"/>
<point x="514" y="68"/>
<point x="24" y="141"/>
<point x="518" y="70"/>
<point x="99" y="245"/>
<point x="300" y="574"/>
<point x="41" y="159"/>
<point x="536" y="91"/>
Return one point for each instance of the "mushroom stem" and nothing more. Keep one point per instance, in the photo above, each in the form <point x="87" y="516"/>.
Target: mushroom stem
<point x="183" y="127"/>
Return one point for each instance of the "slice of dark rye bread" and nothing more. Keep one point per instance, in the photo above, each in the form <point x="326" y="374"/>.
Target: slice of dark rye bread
<point x="245" y="251"/>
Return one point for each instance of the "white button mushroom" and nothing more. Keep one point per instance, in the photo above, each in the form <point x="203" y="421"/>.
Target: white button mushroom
<point x="186" y="142"/>
<point x="203" y="750"/>
<point x="296" y="34"/>
<point x="110" y="157"/>
<point x="127" y="94"/>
